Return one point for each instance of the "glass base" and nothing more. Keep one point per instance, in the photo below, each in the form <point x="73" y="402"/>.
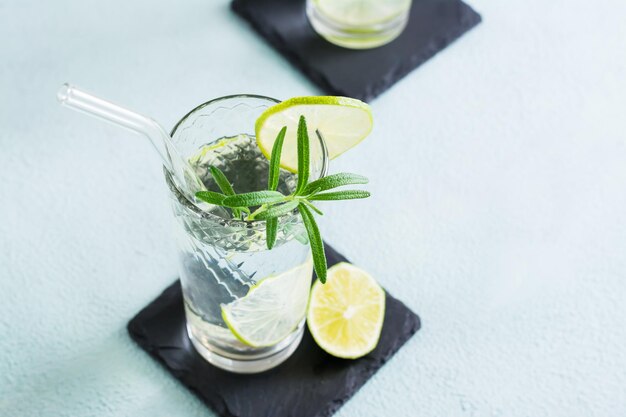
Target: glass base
<point x="253" y="364"/>
<point x="356" y="38"/>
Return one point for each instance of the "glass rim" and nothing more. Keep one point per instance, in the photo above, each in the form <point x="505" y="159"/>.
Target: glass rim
<point x="182" y="199"/>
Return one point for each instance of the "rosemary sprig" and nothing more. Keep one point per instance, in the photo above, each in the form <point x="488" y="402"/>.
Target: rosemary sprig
<point x="270" y="204"/>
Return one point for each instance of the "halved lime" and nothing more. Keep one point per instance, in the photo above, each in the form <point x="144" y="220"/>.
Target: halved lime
<point x="342" y="121"/>
<point x="346" y="314"/>
<point x="272" y="309"/>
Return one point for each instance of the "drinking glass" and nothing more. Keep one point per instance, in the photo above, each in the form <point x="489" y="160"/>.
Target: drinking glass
<point x="222" y="258"/>
<point x="358" y="24"/>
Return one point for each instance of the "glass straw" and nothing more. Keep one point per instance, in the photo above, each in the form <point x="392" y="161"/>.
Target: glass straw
<point x="77" y="99"/>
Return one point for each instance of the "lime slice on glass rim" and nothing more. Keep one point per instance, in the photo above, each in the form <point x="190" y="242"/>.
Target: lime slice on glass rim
<point x="272" y="309"/>
<point x="346" y="313"/>
<point x="343" y="122"/>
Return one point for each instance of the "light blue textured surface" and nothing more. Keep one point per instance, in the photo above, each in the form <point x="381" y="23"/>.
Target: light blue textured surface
<point x="499" y="179"/>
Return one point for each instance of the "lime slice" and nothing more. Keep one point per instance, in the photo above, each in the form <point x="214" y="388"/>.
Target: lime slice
<point x="342" y="121"/>
<point x="202" y="153"/>
<point x="346" y="314"/>
<point x="362" y="13"/>
<point x="272" y="309"/>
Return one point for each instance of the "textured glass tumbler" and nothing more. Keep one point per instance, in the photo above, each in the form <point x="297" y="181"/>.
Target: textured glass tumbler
<point x="358" y="24"/>
<point x="221" y="259"/>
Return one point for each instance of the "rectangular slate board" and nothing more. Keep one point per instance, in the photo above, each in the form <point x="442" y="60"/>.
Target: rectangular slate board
<point x="362" y="74"/>
<point x="310" y="383"/>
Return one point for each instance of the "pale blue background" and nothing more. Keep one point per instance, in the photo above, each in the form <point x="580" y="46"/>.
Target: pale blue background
<point x="499" y="179"/>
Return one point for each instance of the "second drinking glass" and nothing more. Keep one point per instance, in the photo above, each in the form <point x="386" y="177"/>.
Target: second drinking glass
<point x="358" y="24"/>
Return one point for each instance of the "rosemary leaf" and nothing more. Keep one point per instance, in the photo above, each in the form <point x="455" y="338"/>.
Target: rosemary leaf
<point x="274" y="174"/>
<point x="315" y="240"/>
<point x="222" y="181"/>
<point x="255" y="198"/>
<point x="303" y="155"/>
<point x="341" y="195"/>
<point x="312" y="207"/>
<point x="271" y="229"/>
<point x="334" y="181"/>
<point x="211" y="197"/>
<point x="277" y="210"/>
<point x="225" y="186"/>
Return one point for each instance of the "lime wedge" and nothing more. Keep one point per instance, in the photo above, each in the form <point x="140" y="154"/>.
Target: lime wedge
<point x="346" y="314"/>
<point x="272" y="309"/>
<point x="342" y="121"/>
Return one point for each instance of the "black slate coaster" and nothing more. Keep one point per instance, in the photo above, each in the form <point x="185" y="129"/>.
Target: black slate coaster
<point x="362" y="74"/>
<point x="310" y="383"/>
